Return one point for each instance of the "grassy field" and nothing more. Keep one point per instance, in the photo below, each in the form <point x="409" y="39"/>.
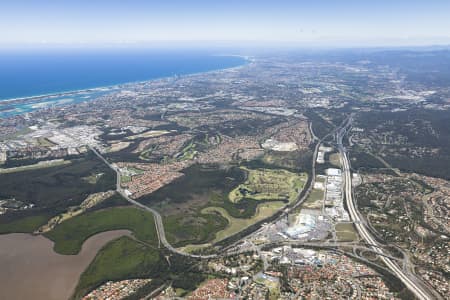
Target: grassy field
<point x="125" y="179"/>
<point x="274" y="287"/>
<point x="299" y="161"/>
<point x="118" y="146"/>
<point x="93" y="202"/>
<point x="44" y="142"/>
<point x="181" y="203"/>
<point x="320" y="178"/>
<point x="148" y="134"/>
<point x="235" y="225"/>
<point x="188" y="152"/>
<point x="58" y="187"/>
<point x="137" y="260"/>
<point x="70" y="235"/>
<point x="269" y="184"/>
<point x="198" y="144"/>
<point x="314" y="199"/>
<point x="21" y="132"/>
<point x="42" y="165"/>
<point x="192" y="229"/>
<point x="346" y="232"/>
<point x="335" y="159"/>
<point x="25" y="225"/>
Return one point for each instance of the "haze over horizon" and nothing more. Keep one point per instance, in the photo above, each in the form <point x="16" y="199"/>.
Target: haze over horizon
<point x="307" y="23"/>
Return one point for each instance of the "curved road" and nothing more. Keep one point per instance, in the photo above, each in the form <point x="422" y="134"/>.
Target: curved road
<point x="158" y="219"/>
<point x="411" y="282"/>
<point x="300" y="200"/>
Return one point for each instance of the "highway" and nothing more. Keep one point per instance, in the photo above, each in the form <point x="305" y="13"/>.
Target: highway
<point x="300" y="200"/>
<point x="409" y="280"/>
<point x="157" y="217"/>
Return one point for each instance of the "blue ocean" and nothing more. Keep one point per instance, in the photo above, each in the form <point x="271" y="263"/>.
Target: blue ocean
<point x="46" y="72"/>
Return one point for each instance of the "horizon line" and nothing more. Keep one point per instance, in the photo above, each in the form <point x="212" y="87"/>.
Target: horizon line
<point x="225" y="43"/>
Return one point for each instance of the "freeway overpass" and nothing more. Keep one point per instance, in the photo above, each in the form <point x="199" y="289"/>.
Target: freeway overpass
<point x="409" y="280"/>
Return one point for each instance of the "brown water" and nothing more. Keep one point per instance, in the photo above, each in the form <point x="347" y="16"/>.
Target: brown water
<point x="30" y="269"/>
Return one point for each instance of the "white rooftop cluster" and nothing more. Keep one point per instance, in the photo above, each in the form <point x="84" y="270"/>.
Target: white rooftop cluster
<point x="275" y="145"/>
<point x="321" y="154"/>
<point x="334" y="195"/>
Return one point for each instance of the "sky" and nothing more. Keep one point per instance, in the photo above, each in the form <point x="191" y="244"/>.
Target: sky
<point x="313" y="22"/>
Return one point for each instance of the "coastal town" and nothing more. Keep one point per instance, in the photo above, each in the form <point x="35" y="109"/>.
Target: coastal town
<point x="276" y="179"/>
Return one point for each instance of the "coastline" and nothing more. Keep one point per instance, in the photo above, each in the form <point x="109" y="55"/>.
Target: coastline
<point x="122" y="85"/>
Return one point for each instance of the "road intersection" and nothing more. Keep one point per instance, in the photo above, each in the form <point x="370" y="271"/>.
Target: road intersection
<point x="409" y="280"/>
<point x="413" y="283"/>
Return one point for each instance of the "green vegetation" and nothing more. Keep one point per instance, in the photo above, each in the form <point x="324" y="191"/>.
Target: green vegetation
<point x="335" y="159"/>
<point x="148" y="134"/>
<point x="21" y="132"/>
<point x="269" y="184"/>
<point x="245" y="208"/>
<point x="235" y="225"/>
<point x="199" y="143"/>
<point x="54" y="189"/>
<point x="320" y="178"/>
<point x="182" y="201"/>
<point x="44" y="142"/>
<point x="143" y="291"/>
<point x="70" y="235"/>
<point x="346" y="236"/>
<point x="315" y="195"/>
<point x="393" y="207"/>
<point x="196" y="229"/>
<point x="319" y="125"/>
<point x="33" y="220"/>
<point x="137" y="260"/>
<point x="346" y="232"/>
<point x="345" y="227"/>
<point x="360" y="158"/>
<point x="314" y="199"/>
<point x="93" y="178"/>
<point x="36" y="166"/>
<point x="125" y="179"/>
<point x="26" y="225"/>
<point x="189" y="152"/>
<point x="135" y="170"/>
<point x="296" y="161"/>
<point x="272" y="285"/>
<point x="115" y="200"/>
<point x="419" y="139"/>
<point x="146" y="154"/>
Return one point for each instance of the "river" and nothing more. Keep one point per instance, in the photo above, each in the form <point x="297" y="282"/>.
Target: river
<point x="30" y="269"/>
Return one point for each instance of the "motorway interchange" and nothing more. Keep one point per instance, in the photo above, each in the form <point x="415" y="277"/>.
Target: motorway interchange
<point x="410" y="280"/>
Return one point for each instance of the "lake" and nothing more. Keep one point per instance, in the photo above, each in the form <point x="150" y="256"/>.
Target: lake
<point x="30" y="269"/>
